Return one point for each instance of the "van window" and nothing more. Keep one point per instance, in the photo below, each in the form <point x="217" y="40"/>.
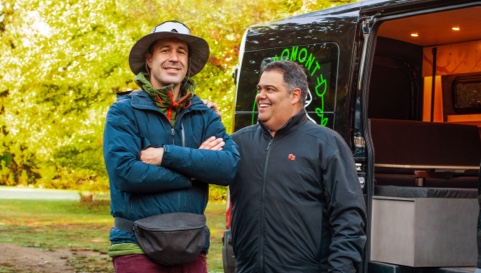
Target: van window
<point x="321" y="63"/>
<point x="466" y="93"/>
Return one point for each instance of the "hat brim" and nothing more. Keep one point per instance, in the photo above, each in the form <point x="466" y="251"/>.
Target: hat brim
<point x="198" y="51"/>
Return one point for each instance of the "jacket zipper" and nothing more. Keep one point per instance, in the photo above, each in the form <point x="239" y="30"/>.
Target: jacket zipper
<point x="182" y="203"/>
<point x="182" y="134"/>
<point x="261" y="246"/>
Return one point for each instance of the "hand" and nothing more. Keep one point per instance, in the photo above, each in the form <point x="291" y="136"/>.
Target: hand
<point x="212" y="106"/>
<point x="212" y="143"/>
<point x="152" y="156"/>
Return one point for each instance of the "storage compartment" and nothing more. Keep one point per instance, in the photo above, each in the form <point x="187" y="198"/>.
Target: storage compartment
<point x="424" y="232"/>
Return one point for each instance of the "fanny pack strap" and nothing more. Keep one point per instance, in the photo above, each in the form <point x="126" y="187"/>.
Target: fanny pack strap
<point x="123" y="224"/>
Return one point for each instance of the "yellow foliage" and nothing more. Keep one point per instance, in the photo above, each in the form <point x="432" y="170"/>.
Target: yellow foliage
<point x="63" y="61"/>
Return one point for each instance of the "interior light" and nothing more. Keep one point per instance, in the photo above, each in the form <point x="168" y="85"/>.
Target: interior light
<point x="415" y="34"/>
<point x="456" y="28"/>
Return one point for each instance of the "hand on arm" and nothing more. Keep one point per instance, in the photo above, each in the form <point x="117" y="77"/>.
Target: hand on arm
<point x="212" y="143"/>
<point x="152" y="156"/>
<point x="213" y="106"/>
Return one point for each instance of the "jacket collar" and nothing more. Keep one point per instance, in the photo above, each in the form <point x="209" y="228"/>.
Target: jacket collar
<point x="294" y="122"/>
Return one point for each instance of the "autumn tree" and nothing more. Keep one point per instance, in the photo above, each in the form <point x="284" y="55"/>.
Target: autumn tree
<point x="63" y="62"/>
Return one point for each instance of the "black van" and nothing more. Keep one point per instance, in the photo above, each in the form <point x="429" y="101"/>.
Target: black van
<point x="400" y="80"/>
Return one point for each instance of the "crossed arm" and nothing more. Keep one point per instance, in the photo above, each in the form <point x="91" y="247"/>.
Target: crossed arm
<point x="164" y="168"/>
<point x="154" y="155"/>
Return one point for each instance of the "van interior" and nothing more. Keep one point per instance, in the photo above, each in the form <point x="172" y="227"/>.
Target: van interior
<point x="426" y="79"/>
<point x="424" y="112"/>
<point x="406" y="51"/>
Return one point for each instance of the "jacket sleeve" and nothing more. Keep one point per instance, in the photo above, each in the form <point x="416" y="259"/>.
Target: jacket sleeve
<point x="122" y="144"/>
<point x="216" y="167"/>
<point x="347" y="210"/>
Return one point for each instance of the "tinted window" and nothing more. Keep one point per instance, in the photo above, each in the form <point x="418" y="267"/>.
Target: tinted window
<point x="467" y="94"/>
<point x="321" y="63"/>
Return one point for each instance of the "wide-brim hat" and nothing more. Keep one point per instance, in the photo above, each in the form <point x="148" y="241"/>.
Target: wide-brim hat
<point x="198" y="48"/>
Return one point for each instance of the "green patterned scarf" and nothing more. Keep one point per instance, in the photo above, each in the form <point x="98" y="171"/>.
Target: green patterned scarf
<point x="164" y="98"/>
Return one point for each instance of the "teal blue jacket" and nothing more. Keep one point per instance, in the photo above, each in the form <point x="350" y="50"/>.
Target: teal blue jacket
<point x="181" y="183"/>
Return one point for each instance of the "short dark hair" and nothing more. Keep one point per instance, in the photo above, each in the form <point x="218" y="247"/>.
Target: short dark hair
<point x="294" y="76"/>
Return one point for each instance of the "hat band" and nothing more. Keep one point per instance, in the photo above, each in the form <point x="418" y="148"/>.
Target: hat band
<point x="172" y="27"/>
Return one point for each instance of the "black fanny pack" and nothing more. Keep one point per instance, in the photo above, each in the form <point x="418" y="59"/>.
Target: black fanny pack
<point x="169" y="239"/>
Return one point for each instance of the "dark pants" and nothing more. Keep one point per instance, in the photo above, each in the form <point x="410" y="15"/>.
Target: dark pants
<point x="142" y="264"/>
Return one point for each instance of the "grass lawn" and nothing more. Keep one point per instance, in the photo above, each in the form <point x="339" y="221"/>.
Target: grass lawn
<point x="67" y="224"/>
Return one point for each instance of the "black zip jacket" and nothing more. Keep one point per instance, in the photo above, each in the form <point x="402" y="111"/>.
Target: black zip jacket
<point x="297" y="202"/>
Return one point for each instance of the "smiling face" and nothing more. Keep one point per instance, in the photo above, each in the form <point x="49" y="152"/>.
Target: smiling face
<point x="276" y="105"/>
<point x="168" y="62"/>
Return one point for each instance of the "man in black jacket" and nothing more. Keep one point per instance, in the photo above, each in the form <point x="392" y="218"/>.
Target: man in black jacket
<point x="297" y="202"/>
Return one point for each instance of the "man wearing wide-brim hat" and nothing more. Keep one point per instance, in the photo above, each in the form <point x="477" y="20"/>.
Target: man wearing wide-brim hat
<point x="163" y="147"/>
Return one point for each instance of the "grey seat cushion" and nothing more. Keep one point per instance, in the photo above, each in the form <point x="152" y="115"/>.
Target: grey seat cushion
<point x="425" y="192"/>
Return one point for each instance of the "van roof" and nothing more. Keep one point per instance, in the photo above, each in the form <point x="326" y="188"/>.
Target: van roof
<point x="436" y="33"/>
